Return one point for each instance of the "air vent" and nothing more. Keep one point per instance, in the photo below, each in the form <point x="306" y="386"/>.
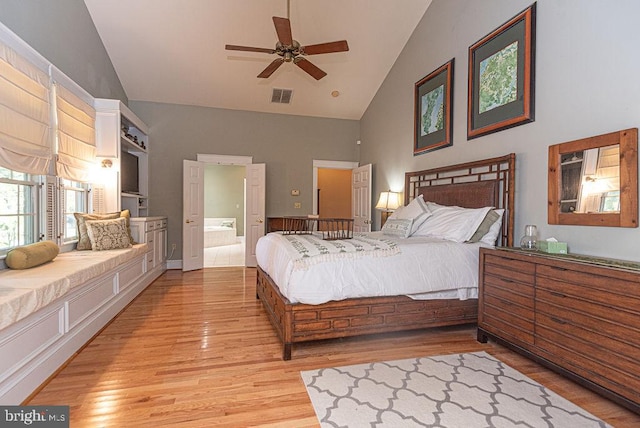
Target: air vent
<point x="281" y="96"/>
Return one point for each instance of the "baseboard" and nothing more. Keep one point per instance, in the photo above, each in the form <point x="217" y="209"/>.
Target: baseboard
<point x="174" y="264"/>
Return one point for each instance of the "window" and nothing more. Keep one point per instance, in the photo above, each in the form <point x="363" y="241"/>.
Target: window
<point x="18" y="209"/>
<point x="76" y="200"/>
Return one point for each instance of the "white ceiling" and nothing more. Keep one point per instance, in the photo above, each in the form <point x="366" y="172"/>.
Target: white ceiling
<point x="172" y="51"/>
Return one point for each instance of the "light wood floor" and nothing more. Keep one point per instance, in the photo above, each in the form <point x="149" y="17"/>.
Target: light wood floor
<point x="196" y="349"/>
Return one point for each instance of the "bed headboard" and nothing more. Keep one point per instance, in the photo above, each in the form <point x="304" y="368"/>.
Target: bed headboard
<point x="483" y="183"/>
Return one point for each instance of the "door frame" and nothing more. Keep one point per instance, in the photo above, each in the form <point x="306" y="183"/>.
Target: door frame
<point x="328" y="165"/>
<point x="214" y="159"/>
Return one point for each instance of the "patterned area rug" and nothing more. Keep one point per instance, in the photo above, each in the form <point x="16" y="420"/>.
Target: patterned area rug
<point x="462" y="390"/>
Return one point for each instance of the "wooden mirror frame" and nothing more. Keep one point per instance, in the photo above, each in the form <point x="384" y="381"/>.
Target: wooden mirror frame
<point x="628" y="215"/>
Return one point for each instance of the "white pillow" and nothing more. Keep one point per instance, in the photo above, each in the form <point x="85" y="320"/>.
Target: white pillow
<point x="492" y="235"/>
<point x="416" y="210"/>
<point x="453" y="223"/>
<point x="397" y="227"/>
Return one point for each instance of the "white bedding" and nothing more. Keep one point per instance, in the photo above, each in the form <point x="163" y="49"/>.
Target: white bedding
<point x="425" y="268"/>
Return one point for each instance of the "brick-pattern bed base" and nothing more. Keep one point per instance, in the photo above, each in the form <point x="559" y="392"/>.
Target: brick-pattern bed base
<point x="297" y="323"/>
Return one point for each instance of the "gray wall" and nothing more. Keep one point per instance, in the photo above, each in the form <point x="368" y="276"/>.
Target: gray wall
<point x="63" y="32"/>
<point x="286" y="144"/>
<point x="587" y="84"/>
<point x="224" y="193"/>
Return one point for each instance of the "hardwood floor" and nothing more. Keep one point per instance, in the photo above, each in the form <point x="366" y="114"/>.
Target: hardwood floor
<point x="196" y="349"/>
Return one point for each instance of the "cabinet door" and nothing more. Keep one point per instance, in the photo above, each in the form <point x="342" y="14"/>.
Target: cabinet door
<point x="161" y="246"/>
<point x="151" y="253"/>
<point x="506" y="303"/>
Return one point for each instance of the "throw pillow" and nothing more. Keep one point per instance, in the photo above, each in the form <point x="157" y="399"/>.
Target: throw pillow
<point x="108" y="234"/>
<point x="83" y="238"/>
<point x="484" y="227"/>
<point x="417" y="211"/>
<point x="32" y="255"/>
<point x="397" y="227"/>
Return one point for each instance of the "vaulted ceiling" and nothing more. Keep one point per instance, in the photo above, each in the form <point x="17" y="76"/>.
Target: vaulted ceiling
<point x="173" y="51"/>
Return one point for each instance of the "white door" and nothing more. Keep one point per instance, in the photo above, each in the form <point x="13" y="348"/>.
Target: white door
<point x="192" y="215"/>
<point x="361" y="195"/>
<point x="255" y="209"/>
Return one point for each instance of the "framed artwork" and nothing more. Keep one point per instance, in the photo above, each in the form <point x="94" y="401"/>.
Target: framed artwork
<point x="433" y="124"/>
<point x="501" y="77"/>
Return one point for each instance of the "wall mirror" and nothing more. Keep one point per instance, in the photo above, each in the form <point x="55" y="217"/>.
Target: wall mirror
<point x="594" y="181"/>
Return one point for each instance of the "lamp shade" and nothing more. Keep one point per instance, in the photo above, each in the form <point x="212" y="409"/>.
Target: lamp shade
<point x="389" y="201"/>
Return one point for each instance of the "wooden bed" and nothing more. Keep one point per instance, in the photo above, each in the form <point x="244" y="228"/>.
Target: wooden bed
<point x="489" y="182"/>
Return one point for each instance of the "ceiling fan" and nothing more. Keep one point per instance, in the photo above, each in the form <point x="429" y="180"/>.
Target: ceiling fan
<point x="290" y="50"/>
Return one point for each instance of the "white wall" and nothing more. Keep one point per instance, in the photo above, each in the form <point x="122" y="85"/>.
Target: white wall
<point x="587" y="83"/>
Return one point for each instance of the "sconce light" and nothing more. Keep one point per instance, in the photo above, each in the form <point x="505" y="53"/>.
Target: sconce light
<point x="106" y="163"/>
<point x="388" y="202"/>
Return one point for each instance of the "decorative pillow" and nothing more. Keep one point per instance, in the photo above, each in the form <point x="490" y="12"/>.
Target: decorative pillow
<point x="226" y="223"/>
<point x="32" y="255"/>
<point x="83" y="238"/>
<point x="398" y="227"/>
<point x="453" y="223"/>
<point x="492" y="235"/>
<point x="491" y="217"/>
<point x="416" y="210"/>
<point x="108" y="234"/>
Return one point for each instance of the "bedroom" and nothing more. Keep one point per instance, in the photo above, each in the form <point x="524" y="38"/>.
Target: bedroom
<point x="601" y="97"/>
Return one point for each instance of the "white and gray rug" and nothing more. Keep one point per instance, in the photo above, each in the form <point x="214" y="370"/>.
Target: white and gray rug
<point x="462" y="390"/>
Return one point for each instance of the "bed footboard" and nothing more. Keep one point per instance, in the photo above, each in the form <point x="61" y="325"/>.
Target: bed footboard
<point x="297" y="323"/>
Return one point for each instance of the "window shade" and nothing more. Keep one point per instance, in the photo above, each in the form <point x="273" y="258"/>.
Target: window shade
<point x="76" y="149"/>
<point x="25" y="123"/>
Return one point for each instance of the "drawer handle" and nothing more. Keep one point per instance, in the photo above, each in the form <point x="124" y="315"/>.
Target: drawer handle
<point x="558" y="320"/>
<point x="555" y="293"/>
<point x="559" y="268"/>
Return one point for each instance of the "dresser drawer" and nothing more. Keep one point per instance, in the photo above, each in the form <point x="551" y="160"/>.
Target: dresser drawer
<point x="581" y="287"/>
<point x="509" y="269"/>
<point x="608" y="281"/>
<point x="616" y="322"/>
<point x="597" y="364"/>
<point x="508" y="290"/>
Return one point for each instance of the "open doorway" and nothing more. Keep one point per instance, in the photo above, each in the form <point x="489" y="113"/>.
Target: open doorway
<point x="224" y="215"/>
<point x="334" y="193"/>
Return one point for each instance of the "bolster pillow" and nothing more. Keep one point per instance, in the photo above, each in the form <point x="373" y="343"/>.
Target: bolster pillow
<point x="32" y="255"/>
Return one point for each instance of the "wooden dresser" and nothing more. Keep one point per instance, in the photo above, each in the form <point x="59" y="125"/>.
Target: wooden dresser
<point x="578" y="315"/>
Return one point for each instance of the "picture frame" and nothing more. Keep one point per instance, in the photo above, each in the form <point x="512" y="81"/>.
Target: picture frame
<point x="502" y="77"/>
<point x="433" y="121"/>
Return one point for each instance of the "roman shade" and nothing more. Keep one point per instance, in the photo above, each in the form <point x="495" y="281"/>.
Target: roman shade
<point x="25" y="123"/>
<point x="76" y="145"/>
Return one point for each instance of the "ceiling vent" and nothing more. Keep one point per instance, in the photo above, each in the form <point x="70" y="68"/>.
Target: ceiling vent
<point x="281" y="96"/>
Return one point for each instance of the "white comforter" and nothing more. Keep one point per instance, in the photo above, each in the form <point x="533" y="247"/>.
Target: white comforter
<point x="425" y="268"/>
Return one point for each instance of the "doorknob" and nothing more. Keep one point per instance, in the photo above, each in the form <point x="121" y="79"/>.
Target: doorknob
<point x="260" y="220"/>
<point x="188" y="221"/>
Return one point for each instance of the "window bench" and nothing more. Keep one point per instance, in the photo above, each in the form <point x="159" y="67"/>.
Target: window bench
<point x="49" y="312"/>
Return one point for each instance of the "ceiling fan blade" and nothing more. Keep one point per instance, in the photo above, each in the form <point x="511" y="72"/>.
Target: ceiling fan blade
<point x="283" y="28"/>
<point x="307" y="66"/>
<point x="271" y="68"/>
<point x="322" y="48"/>
<point x="248" y="49"/>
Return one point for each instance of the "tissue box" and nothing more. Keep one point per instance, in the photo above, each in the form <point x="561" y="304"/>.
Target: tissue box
<point x="552" y="247"/>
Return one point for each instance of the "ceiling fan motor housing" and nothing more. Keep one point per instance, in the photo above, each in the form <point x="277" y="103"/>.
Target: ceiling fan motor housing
<point x="288" y="52"/>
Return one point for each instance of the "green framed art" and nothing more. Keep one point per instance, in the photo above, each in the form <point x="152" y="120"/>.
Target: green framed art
<point x="501" y="77"/>
<point x="433" y="121"/>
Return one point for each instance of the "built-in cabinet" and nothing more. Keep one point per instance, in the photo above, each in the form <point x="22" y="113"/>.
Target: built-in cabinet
<point x="153" y="232"/>
<point x="578" y="315"/>
<point x="119" y="130"/>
